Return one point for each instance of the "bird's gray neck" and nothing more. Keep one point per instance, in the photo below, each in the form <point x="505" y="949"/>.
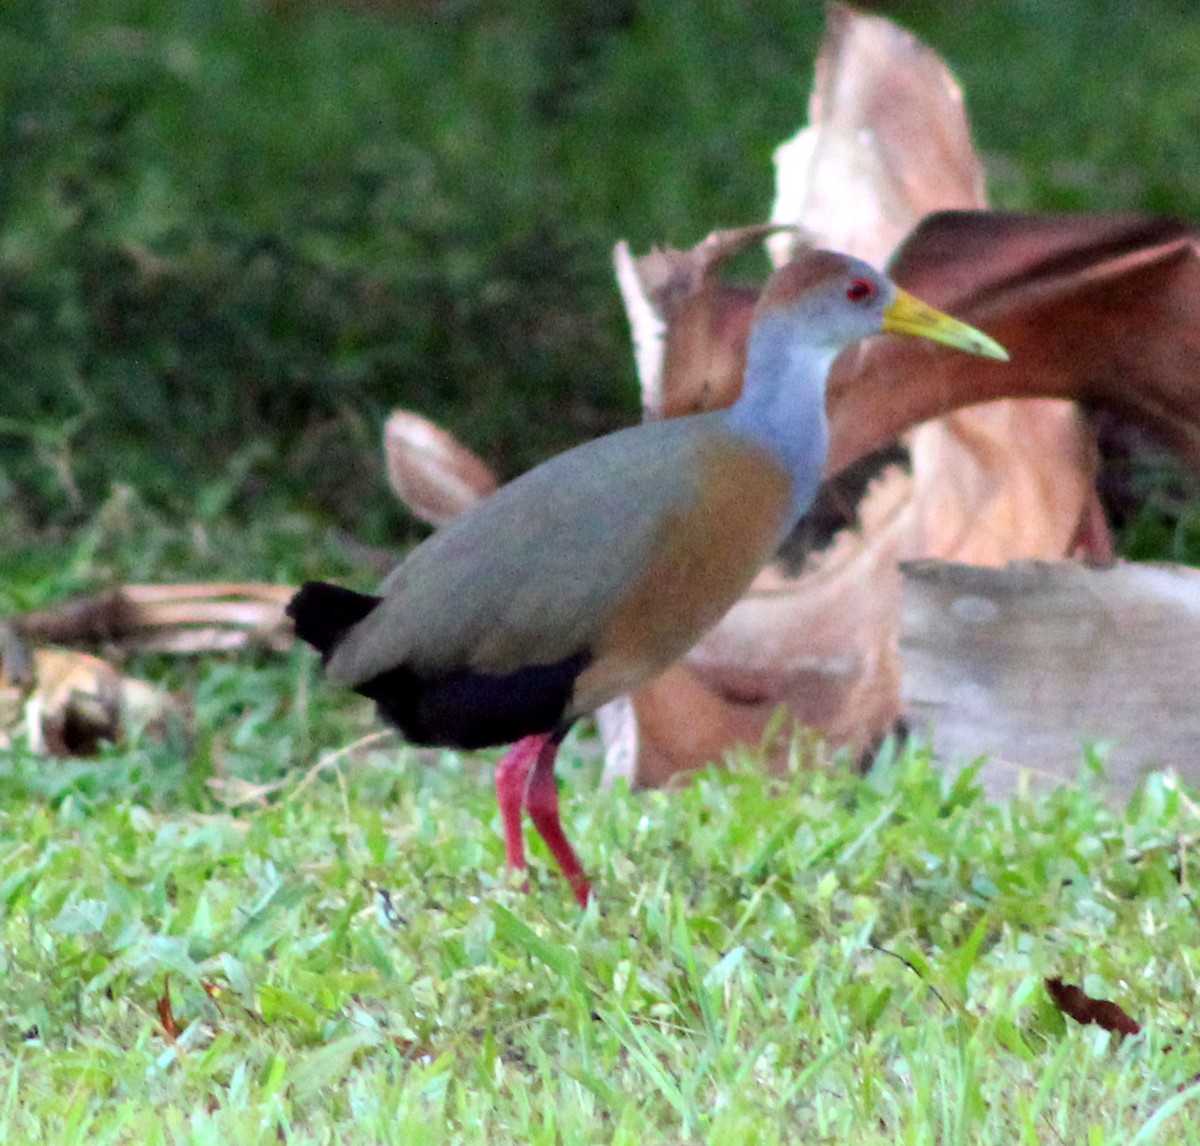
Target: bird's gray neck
<point x="782" y="406"/>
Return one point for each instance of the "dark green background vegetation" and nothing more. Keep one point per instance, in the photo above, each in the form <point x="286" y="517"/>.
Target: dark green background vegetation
<point x="233" y="235"/>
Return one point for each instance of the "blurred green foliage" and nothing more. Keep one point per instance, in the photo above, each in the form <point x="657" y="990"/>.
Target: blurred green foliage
<point x="233" y="235"/>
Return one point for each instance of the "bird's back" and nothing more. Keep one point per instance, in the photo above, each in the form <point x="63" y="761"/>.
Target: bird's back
<point x="609" y="559"/>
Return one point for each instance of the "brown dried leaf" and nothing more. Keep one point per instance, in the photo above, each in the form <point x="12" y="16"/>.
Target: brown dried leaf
<point x="84" y="620"/>
<point x="1077" y="1005"/>
<point x="263" y="591"/>
<point x="75" y="701"/>
<point x="142" y="615"/>
<point x="171" y="1027"/>
<point x="74" y="704"/>
<point x="887" y="142"/>
<point x="430" y="471"/>
<point x="699" y="365"/>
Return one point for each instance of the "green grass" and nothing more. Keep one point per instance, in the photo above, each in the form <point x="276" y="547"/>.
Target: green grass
<point x="730" y="985"/>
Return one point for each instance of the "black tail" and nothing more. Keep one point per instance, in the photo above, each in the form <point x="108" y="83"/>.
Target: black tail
<point x="322" y="613"/>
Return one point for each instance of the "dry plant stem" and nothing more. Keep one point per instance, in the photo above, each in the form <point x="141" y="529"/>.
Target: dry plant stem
<point x="132" y="610"/>
<point x="207" y="590"/>
<point x="912" y="967"/>
<point x="332" y="759"/>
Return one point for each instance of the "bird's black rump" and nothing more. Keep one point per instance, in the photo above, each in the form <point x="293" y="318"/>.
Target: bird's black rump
<point x="322" y="613"/>
<point x="463" y="708"/>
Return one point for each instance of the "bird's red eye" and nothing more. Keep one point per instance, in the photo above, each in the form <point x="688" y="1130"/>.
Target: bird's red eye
<point x="860" y="290"/>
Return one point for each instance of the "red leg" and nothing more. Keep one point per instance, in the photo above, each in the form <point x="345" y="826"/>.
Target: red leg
<point x="512" y="778"/>
<point x="541" y="801"/>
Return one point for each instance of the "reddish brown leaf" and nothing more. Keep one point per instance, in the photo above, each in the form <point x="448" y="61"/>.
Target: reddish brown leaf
<point x="1061" y="294"/>
<point x="1076" y="1004"/>
<point x="171" y="1026"/>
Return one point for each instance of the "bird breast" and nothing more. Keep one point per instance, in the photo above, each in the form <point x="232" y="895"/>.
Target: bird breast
<point x="703" y="556"/>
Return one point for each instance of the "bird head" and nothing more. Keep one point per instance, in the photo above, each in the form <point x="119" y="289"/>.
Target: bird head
<point x="830" y="300"/>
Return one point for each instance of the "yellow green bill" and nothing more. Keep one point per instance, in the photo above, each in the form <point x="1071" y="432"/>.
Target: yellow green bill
<point x="909" y="315"/>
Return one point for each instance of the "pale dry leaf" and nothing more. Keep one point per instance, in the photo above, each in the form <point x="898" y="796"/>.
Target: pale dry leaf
<point x="430" y="471"/>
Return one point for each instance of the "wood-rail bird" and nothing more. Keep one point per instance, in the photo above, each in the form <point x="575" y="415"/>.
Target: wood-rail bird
<point x="594" y="571"/>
